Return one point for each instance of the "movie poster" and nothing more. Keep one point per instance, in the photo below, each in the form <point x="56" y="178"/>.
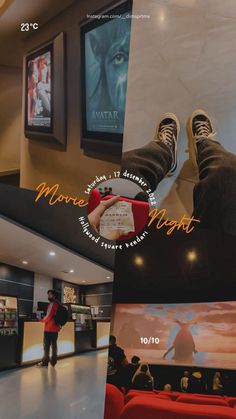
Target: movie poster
<point x="106" y="60"/>
<point x="39" y="91"/>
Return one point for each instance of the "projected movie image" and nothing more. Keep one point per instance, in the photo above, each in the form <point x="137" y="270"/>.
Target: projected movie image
<point x="106" y="71"/>
<point x="201" y="334"/>
<point x="39" y="91"/>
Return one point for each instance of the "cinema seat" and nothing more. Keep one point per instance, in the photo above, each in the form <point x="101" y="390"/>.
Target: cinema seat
<point x="231" y="401"/>
<point x="153" y="408"/>
<point x="214" y="396"/>
<point x="141" y="393"/>
<point x="202" y="400"/>
<point x="172" y="394"/>
<point x="134" y="393"/>
<point x="164" y="397"/>
<point x="114" y="402"/>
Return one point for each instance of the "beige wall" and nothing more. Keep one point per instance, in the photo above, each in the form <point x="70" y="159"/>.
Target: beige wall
<point x="10" y="118"/>
<point x="42" y="284"/>
<point x="72" y="169"/>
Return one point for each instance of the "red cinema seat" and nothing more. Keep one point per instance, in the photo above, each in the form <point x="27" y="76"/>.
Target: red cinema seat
<point x="154" y="408"/>
<point x="172" y="394"/>
<point x="164" y="397"/>
<point x="134" y="393"/>
<point x="139" y="393"/>
<point x="114" y="402"/>
<point x="231" y="401"/>
<point x="202" y="400"/>
<point x="214" y="396"/>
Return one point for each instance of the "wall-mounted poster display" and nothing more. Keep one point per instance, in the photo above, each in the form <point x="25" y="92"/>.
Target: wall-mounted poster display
<point x="45" y="92"/>
<point x="105" y="43"/>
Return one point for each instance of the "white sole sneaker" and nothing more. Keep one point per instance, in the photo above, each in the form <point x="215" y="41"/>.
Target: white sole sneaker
<point x="191" y="140"/>
<point x="170" y="115"/>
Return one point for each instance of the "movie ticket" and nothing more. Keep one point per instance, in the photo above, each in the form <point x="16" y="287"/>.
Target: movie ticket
<point x="117" y="217"/>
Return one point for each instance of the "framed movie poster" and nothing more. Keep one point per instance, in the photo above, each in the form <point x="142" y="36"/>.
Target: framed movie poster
<point x="45" y="117"/>
<point x="105" y="43"/>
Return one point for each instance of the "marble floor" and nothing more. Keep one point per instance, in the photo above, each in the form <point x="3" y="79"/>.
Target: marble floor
<point x="182" y="57"/>
<point x="74" y="389"/>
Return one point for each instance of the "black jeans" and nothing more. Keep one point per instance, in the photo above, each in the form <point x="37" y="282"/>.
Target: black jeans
<point x="50" y="341"/>
<point x="214" y="196"/>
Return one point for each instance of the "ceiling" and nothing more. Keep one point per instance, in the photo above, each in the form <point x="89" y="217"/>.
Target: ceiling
<point x="22" y="245"/>
<point x="23" y="11"/>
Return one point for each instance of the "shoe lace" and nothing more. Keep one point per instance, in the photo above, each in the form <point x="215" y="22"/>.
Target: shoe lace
<point x="166" y="134"/>
<point x="203" y="129"/>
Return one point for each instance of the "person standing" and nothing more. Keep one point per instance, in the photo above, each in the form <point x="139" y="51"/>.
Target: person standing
<point x="117" y="362"/>
<point x="184" y="381"/>
<point x="51" y="330"/>
<point x="217" y="386"/>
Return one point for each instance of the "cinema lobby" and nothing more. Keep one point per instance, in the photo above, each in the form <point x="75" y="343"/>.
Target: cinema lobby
<point x="30" y="266"/>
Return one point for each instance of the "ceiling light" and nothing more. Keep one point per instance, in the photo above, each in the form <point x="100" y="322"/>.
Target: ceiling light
<point x="162" y="17"/>
<point x="52" y="253"/>
<point x="25" y="262"/>
<point x="108" y="277"/>
<point x="139" y="261"/>
<point x="71" y="271"/>
<point x="191" y="255"/>
<point x="83" y="280"/>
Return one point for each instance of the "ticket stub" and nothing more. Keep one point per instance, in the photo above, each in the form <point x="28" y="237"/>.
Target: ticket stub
<point x="118" y="217"/>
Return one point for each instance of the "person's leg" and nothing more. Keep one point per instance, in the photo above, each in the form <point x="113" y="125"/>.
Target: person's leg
<point x="157" y="158"/>
<point x="54" y="337"/>
<point x="46" y="347"/>
<point x="214" y="194"/>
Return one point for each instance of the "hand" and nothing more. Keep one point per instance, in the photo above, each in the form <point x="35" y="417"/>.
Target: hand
<point x="115" y="235"/>
<point x="95" y="216"/>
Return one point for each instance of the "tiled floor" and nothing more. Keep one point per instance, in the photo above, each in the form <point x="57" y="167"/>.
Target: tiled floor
<point x="181" y="58"/>
<point x="73" y="390"/>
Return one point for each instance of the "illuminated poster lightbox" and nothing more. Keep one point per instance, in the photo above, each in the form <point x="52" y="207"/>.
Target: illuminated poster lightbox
<point x="105" y="46"/>
<point x="45" y="98"/>
<point x="39" y="90"/>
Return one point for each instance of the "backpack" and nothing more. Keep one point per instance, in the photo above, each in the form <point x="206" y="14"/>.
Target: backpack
<point x="111" y="366"/>
<point x="61" y="316"/>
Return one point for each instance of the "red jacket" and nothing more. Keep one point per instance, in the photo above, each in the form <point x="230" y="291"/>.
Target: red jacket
<point x="48" y="320"/>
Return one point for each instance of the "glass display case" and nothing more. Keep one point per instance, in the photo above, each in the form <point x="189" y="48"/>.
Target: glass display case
<point x="82" y="316"/>
<point x="8" y="315"/>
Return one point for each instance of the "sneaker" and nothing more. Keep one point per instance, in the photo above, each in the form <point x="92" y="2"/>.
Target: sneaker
<point x="167" y="132"/>
<point x="41" y="365"/>
<point x="199" y="127"/>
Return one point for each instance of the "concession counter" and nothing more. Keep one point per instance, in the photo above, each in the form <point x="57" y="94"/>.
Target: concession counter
<point x="21" y="338"/>
<point x="102" y="333"/>
<point x="32" y="338"/>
